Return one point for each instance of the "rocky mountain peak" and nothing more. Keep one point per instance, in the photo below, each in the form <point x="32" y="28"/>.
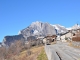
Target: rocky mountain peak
<point x="76" y="26"/>
<point x="60" y="29"/>
<point x="38" y="28"/>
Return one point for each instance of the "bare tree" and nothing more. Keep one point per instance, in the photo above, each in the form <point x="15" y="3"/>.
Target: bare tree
<point x="2" y="53"/>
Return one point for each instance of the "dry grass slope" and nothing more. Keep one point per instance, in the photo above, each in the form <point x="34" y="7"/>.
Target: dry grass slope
<point x="35" y="51"/>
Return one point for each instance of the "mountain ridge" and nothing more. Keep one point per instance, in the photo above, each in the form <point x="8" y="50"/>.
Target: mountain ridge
<point x="38" y="29"/>
<point x="35" y="29"/>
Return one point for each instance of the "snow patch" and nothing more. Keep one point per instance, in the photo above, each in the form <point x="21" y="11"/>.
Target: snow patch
<point x="69" y="28"/>
<point x="36" y="32"/>
<point x="19" y="32"/>
<point x="59" y="28"/>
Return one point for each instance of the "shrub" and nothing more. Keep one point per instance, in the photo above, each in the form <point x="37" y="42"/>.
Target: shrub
<point x="66" y="38"/>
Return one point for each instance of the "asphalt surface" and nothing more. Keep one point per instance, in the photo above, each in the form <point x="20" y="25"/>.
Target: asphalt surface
<point x="65" y="52"/>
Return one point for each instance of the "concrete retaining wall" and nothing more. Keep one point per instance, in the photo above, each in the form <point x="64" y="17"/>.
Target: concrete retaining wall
<point x="51" y="54"/>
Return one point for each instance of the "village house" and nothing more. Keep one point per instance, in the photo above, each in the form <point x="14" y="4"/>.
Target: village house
<point x="76" y="36"/>
<point x="65" y="37"/>
<point x="49" y="39"/>
<point x="69" y="35"/>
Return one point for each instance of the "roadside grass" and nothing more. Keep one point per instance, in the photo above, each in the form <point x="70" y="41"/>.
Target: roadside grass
<point x="42" y="55"/>
<point x="79" y="59"/>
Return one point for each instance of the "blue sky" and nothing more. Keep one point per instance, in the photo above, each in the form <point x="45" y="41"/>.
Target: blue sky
<point x="18" y="14"/>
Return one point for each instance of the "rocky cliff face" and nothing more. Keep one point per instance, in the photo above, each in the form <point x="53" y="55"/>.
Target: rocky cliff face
<point x="11" y="39"/>
<point x="0" y="44"/>
<point x="38" y="29"/>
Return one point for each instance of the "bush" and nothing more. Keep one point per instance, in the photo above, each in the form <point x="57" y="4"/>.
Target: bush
<point x="28" y="52"/>
<point x="66" y="38"/>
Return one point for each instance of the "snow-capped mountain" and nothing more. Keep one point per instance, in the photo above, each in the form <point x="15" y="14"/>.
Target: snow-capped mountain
<point x="76" y="26"/>
<point x="36" y="29"/>
<point x="42" y="29"/>
<point x="39" y="29"/>
<point x="60" y="29"/>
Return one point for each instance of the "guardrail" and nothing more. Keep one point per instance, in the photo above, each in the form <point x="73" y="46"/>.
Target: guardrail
<point x="51" y="54"/>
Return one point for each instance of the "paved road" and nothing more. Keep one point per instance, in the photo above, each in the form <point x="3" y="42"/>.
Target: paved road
<point x="65" y="52"/>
